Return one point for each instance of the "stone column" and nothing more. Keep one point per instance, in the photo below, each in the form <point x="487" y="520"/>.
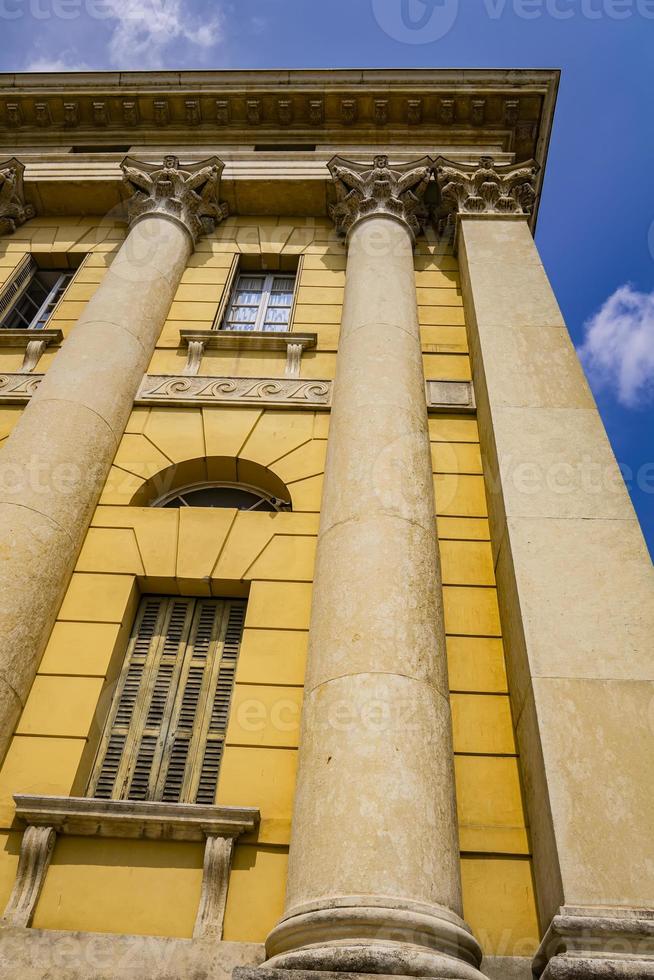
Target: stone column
<point x="576" y="592"/>
<point x="55" y="462"/>
<point x="373" y="883"/>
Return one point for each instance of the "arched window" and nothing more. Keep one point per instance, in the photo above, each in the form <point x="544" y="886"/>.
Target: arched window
<point x="237" y="495"/>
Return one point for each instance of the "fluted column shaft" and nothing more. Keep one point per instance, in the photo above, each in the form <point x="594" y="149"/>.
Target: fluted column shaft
<point x="55" y="462"/>
<point x="373" y="881"/>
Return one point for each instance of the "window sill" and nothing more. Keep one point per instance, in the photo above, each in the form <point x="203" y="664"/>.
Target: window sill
<point x="21" y="338"/>
<point x="85" y="817"/>
<point x="248" y="339"/>
<point x="294" y="344"/>
<point x="47" y="816"/>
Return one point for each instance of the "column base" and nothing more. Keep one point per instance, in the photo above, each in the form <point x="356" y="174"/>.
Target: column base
<point x="368" y="937"/>
<point x="596" y="943"/>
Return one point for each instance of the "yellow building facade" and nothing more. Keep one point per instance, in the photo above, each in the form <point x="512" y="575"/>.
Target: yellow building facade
<point x="239" y="627"/>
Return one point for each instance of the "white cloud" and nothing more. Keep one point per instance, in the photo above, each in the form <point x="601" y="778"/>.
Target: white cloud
<point x="143" y="30"/>
<point x="67" y="61"/>
<point x="618" y="349"/>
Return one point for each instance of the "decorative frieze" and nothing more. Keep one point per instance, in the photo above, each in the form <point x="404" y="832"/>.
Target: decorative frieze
<point x="485" y="188"/>
<point x="274" y="392"/>
<point x="18" y="386"/>
<point x="13" y="209"/>
<point x="362" y="190"/>
<point x="193" y="389"/>
<point x="188" y="194"/>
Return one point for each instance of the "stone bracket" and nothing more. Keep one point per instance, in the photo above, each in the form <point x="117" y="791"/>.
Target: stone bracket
<point x="34" y="342"/>
<point x="35" y="853"/>
<point x="47" y="816"/>
<point x="294" y="344"/>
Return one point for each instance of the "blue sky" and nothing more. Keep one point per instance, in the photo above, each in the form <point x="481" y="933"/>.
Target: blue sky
<point x="596" y="223"/>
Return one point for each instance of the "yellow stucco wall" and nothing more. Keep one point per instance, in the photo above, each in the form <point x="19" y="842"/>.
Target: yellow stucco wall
<point x="153" y="887"/>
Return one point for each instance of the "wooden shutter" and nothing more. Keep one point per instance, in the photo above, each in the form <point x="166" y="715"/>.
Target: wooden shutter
<point x="16" y="285"/>
<point x="166" y="728"/>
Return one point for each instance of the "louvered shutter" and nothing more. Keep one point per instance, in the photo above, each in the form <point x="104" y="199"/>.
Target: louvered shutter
<point x="165" y="733"/>
<point x="158" y="699"/>
<point x="112" y="757"/>
<point x="207" y="766"/>
<point x="16" y="286"/>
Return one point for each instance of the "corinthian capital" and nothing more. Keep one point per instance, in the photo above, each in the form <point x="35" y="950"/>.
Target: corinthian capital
<point x="484" y="188"/>
<point x="381" y="189"/>
<point x="187" y="194"/>
<point x="13" y="210"/>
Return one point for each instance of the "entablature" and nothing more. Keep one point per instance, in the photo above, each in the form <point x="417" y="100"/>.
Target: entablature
<point x="274" y="130"/>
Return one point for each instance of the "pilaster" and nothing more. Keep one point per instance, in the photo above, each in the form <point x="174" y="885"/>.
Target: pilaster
<point x="576" y="592"/>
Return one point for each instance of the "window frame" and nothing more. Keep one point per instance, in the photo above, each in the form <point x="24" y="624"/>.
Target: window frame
<point x="276" y="502"/>
<point x="19" y="285"/>
<point x="264" y="305"/>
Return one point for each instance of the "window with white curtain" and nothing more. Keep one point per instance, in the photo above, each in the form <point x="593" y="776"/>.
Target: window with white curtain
<point x="260" y="302"/>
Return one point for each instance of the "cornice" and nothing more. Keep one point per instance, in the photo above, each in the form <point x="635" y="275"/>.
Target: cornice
<point x="458" y="113"/>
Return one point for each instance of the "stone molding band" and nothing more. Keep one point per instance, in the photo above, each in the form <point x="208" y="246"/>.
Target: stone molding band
<point x="179" y="389"/>
<point x="190" y="194"/>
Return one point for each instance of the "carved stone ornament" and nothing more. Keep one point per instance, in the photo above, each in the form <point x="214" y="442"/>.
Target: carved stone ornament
<point x="187" y="194"/>
<point x="484" y="188"/>
<point x="35" y="854"/>
<point x="13" y="210"/>
<point x="381" y="189"/>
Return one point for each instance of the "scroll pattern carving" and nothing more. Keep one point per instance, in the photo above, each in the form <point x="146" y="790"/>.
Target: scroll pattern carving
<point x="188" y="194"/>
<point x="18" y="387"/>
<point x="256" y="391"/>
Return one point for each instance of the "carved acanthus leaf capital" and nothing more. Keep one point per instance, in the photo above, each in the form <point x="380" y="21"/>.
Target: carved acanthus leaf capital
<point x="188" y="194"/>
<point x="13" y="210"/>
<point x="485" y="188"/>
<point x="362" y="190"/>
